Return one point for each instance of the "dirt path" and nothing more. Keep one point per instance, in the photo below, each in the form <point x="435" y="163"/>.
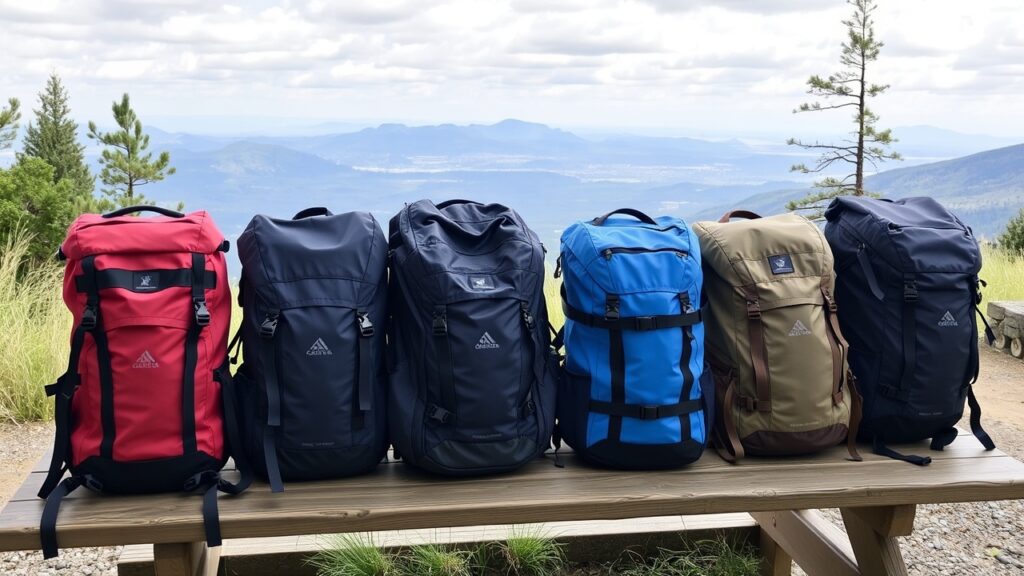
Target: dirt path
<point x="1000" y="388"/>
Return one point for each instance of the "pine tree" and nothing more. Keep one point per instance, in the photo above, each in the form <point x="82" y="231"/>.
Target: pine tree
<point x="126" y="164"/>
<point x="9" y="117"/>
<point x="54" y="138"/>
<point x="848" y="88"/>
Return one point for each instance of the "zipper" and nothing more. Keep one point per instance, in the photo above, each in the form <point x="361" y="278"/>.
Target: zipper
<point x="609" y="252"/>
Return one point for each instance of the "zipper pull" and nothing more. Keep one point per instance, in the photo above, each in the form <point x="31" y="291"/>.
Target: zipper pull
<point x="608" y="254"/>
<point x="558" y="266"/>
<point x="524" y="308"/>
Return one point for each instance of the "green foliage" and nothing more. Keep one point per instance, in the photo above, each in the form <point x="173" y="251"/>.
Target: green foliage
<point x="530" y="552"/>
<point x="53" y="137"/>
<point x="1012" y="240"/>
<point x="848" y="88"/>
<point x="36" y="328"/>
<point x="353" y="555"/>
<point x="716" y="557"/>
<point x="9" y="116"/>
<point x="436" y="560"/>
<point x="30" y="200"/>
<point x="125" y="160"/>
<point x="1003" y="273"/>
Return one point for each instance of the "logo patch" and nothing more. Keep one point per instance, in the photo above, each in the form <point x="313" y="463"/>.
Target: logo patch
<point x="319" y="348"/>
<point x="948" y="320"/>
<point x="145" y="281"/>
<point x="486" y="342"/>
<point x="481" y="283"/>
<point x="799" y="329"/>
<point x="781" y="264"/>
<point x="146" y="360"/>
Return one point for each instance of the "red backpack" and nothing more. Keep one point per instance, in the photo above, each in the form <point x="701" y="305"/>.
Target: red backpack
<point x="146" y="401"/>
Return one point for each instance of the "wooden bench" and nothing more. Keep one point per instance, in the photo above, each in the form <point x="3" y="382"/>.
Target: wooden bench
<point x="877" y="499"/>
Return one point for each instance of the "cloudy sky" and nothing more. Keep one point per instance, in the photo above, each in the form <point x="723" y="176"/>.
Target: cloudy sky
<point x="686" y="66"/>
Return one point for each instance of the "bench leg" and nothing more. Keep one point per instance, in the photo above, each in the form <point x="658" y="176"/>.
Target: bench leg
<point x="814" y="543"/>
<point x="873" y="533"/>
<point x="774" y="560"/>
<point x="185" y="559"/>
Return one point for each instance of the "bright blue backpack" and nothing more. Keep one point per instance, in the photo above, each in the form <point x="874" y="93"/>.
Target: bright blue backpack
<point x="633" y="391"/>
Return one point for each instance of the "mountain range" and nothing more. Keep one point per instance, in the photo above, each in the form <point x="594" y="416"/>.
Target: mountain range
<point x="554" y="176"/>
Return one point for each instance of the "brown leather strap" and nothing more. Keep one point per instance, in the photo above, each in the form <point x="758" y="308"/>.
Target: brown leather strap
<point x="758" y="351"/>
<point x="738" y="214"/>
<point x="835" y="341"/>
<point x="856" y="413"/>
<point x="730" y="449"/>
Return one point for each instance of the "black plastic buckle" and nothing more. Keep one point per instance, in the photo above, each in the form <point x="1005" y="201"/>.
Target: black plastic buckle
<point x="440" y="324"/>
<point x="611" y="308"/>
<point x="365" y="326"/>
<point x="435" y="412"/>
<point x="202" y="313"/>
<point x="531" y="407"/>
<point x="89" y="317"/>
<point x="527" y="317"/>
<point x="889" y="391"/>
<point x="649" y="413"/>
<point x="753" y="309"/>
<point x="90" y="482"/>
<point x="909" y="291"/>
<point x="646" y="323"/>
<point x="198" y="480"/>
<point x="269" y="326"/>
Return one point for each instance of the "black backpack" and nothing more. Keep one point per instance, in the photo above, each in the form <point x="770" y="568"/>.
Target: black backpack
<point x="312" y="389"/>
<point x="907" y="287"/>
<point x="473" y="375"/>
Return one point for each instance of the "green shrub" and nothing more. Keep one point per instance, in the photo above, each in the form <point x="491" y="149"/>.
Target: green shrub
<point x="437" y="560"/>
<point x="353" y="555"/>
<point x="1012" y="240"/>
<point x="530" y="552"/>
<point x="715" y="557"/>
<point x="37" y="328"/>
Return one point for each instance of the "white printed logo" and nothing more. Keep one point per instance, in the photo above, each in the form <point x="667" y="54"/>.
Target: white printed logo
<point x="780" y="263"/>
<point x="799" y="329"/>
<point x="948" y="320"/>
<point x="319" y="348"/>
<point x="144" y="281"/>
<point x="479" y="282"/>
<point x="486" y="342"/>
<point x="146" y="360"/>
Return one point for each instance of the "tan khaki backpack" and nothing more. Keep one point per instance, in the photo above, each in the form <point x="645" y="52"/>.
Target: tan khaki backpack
<point x="782" y="383"/>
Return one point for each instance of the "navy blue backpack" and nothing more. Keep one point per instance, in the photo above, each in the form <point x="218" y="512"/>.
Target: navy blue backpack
<point x="314" y="303"/>
<point x="472" y="386"/>
<point x="635" y="394"/>
<point x="907" y="287"/>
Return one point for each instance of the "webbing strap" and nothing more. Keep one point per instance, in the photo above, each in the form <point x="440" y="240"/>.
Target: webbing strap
<point x="856" y="415"/>
<point x="211" y="515"/>
<point x="617" y="365"/>
<point x="909" y="314"/>
<point x="869" y="274"/>
<point x="145" y="281"/>
<point x="684" y="366"/>
<point x="758" y="351"/>
<point x="976" y="428"/>
<point x="268" y="361"/>
<point x="63" y="391"/>
<point x="729" y="448"/>
<point x="364" y="391"/>
<point x="835" y="342"/>
<point x="645" y="412"/>
<point x="882" y="450"/>
<point x="232" y="425"/>
<point x="445" y="370"/>
<point x="188" y="384"/>
<point x="99" y="337"/>
<point x="638" y="323"/>
<point x="539" y="355"/>
<point x="48" y="521"/>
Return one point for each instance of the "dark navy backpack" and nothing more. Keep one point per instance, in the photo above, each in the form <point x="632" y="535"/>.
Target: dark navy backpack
<point x="635" y="394"/>
<point x="313" y="295"/>
<point x="473" y="375"/>
<point x="907" y="287"/>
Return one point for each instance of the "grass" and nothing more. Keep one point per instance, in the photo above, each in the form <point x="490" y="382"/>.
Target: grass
<point x="438" y="560"/>
<point x="353" y="555"/>
<point x="530" y="552"/>
<point x="37" y="331"/>
<point x="1004" y="275"/>
<point x="714" y="557"/>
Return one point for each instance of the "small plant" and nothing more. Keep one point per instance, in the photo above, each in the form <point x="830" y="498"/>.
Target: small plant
<point x="1012" y="239"/>
<point x="715" y="557"/>
<point x="530" y="552"/>
<point x="352" y="555"/>
<point x="437" y="560"/>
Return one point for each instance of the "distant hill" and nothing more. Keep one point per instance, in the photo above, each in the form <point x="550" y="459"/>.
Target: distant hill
<point x="985" y="189"/>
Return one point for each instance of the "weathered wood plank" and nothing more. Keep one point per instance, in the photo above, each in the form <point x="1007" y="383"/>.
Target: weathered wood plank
<point x="817" y="546"/>
<point x="774" y="560"/>
<point x="887" y="520"/>
<point x="876" y="554"/>
<point x="400" y="499"/>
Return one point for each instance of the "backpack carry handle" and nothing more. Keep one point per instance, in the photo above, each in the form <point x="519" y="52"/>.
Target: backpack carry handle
<point x="315" y="211"/>
<point x="627" y="211"/>
<point x="452" y="202"/>
<point x="132" y="209"/>
<point x="738" y="214"/>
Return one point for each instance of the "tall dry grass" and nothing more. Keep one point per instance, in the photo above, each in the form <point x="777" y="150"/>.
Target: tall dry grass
<point x="35" y="327"/>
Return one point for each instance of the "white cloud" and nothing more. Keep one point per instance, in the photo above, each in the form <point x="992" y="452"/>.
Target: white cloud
<point x="688" y="63"/>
